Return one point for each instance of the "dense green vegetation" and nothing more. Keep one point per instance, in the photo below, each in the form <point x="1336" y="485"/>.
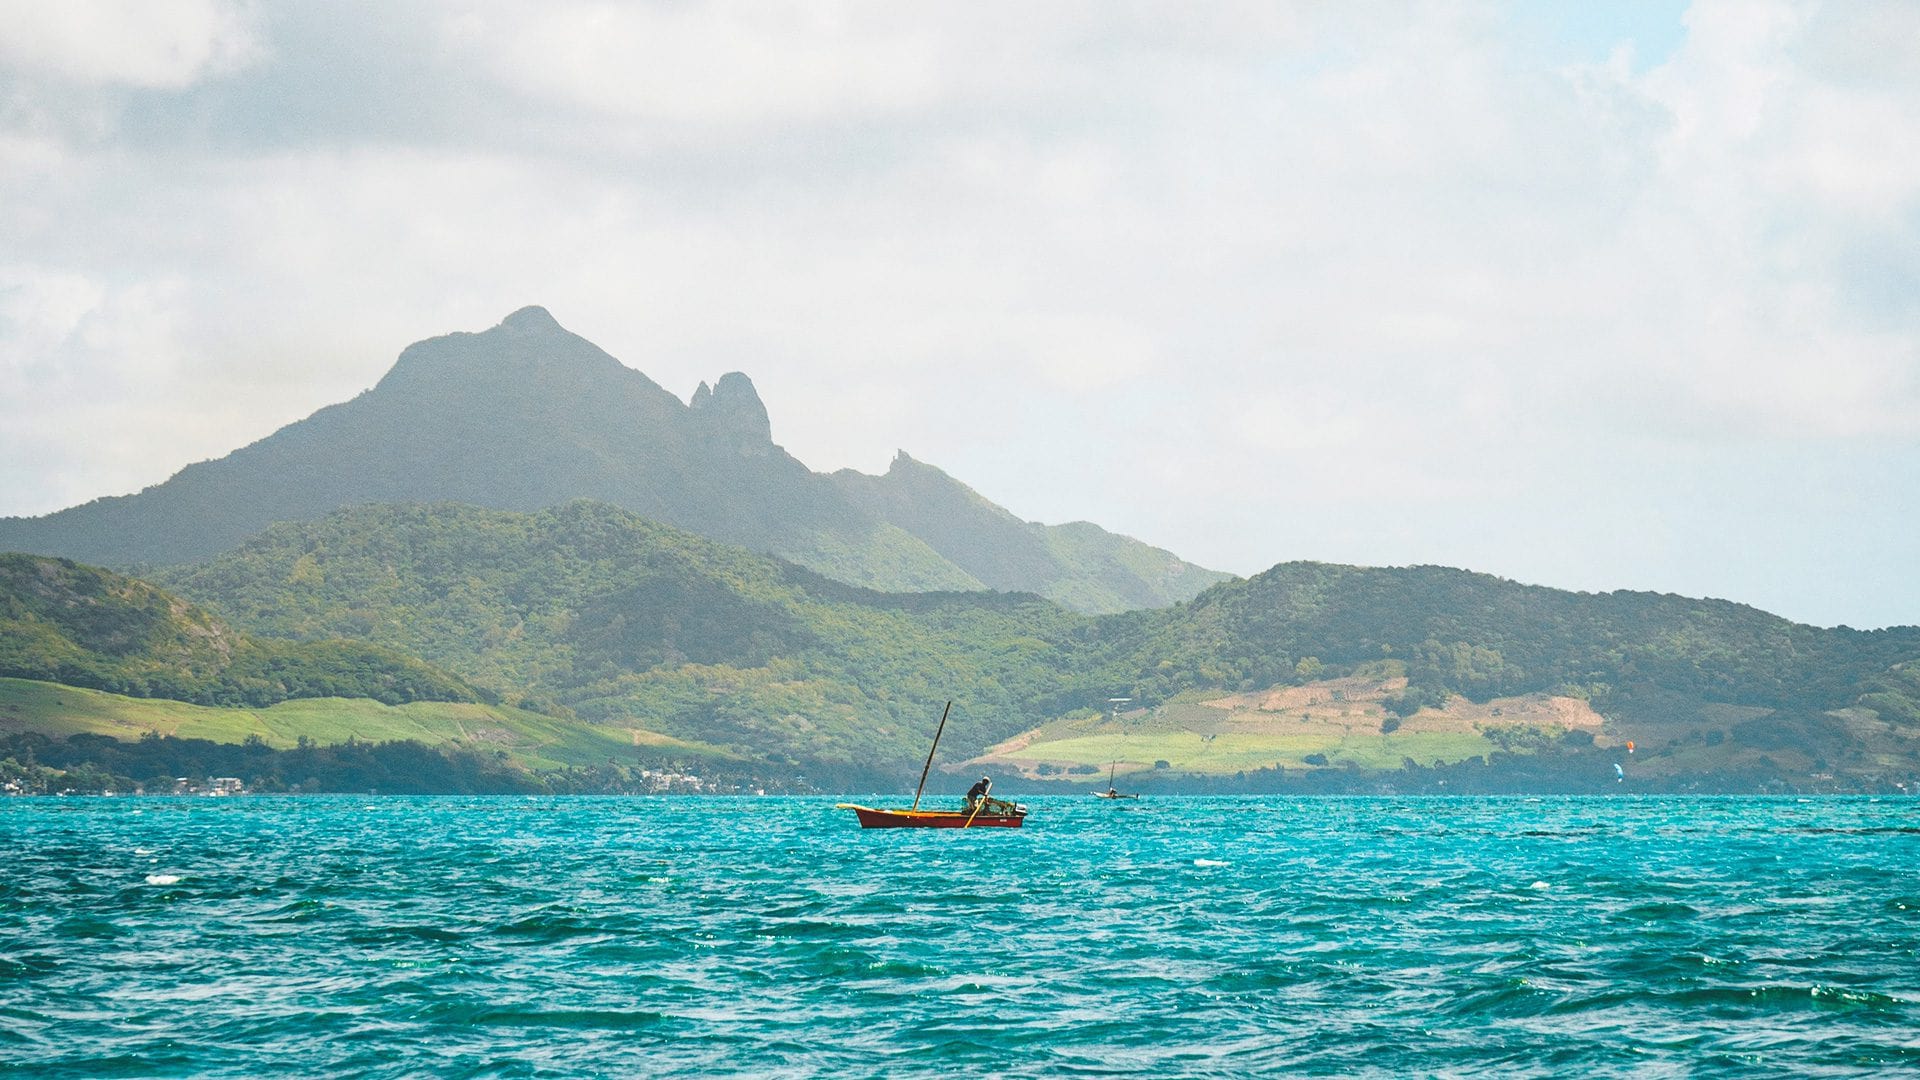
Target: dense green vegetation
<point x="91" y="764"/>
<point x="597" y="620"/>
<point x="593" y="612"/>
<point x="526" y="416"/>
<point x="1895" y="694"/>
<point x="1632" y="654"/>
<point x="590" y="611"/>
<point x="83" y="626"/>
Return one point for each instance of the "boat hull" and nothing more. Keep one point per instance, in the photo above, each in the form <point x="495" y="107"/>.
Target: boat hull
<point x="871" y="818"/>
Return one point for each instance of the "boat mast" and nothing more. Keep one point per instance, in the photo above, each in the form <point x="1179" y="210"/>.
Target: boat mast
<point x="1113" y="704"/>
<point x="930" y="750"/>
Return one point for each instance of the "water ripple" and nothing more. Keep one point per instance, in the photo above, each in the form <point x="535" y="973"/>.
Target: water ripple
<point x="1176" y="937"/>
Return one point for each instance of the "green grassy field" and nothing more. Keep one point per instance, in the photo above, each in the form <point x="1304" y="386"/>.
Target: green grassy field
<point x="1231" y="752"/>
<point x="535" y="741"/>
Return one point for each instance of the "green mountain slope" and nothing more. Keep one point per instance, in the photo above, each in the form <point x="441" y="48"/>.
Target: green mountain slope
<point x="1699" y="683"/>
<point x="1079" y="565"/>
<point x="622" y="621"/>
<point x="527" y="415"/>
<point x="627" y="622"/>
<point x="529" y="740"/>
<point x="1479" y="635"/>
<point x="615" y="623"/>
<point x="84" y="626"/>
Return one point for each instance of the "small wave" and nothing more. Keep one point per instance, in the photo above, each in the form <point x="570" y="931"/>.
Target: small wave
<point x="810" y="929"/>
<point x="381" y="935"/>
<point x="295" y="911"/>
<point x="1210" y="862"/>
<point x="843" y="964"/>
<point x="1661" y="912"/>
<point x="1512" y="998"/>
<point x="1855" y="830"/>
<point x="902" y="969"/>
<point x="1867" y="998"/>
<point x="1540" y="886"/>
<point x="1249" y="980"/>
<point x="28" y="966"/>
<point x="83" y="927"/>
<point x="546" y="928"/>
<point x="163" y="879"/>
<point x="1778" y="997"/>
<point x="565" y="1018"/>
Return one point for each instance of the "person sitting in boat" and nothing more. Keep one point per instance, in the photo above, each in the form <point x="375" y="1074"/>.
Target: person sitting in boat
<point x="978" y="792"/>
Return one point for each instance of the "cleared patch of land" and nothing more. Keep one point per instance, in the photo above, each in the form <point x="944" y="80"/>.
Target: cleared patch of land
<point x="533" y="740"/>
<point x="1337" y="722"/>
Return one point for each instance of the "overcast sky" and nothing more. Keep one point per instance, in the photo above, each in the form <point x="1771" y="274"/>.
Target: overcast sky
<point x="1614" y="298"/>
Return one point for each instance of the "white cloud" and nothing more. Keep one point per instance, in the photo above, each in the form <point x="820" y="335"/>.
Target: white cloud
<point x="749" y="65"/>
<point x="39" y="313"/>
<point x="159" y="44"/>
<point x="96" y="363"/>
<point x="1155" y="267"/>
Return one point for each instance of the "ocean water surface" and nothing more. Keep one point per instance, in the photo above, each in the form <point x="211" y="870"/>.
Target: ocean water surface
<point x="1171" y="937"/>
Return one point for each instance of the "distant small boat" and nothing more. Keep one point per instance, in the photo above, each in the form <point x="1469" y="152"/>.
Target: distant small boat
<point x="1112" y="792"/>
<point x="983" y="813"/>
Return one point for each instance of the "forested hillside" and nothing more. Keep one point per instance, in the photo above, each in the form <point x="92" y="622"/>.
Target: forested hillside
<point x="1719" y="696"/>
<point x="595" y="612"/>
<point x="591" y="611"/>
<point x="1631" y="653"/>
<point x="84" y="626"/>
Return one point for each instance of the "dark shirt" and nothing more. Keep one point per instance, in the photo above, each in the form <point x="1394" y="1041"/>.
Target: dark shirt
<point x="978" y="791"/>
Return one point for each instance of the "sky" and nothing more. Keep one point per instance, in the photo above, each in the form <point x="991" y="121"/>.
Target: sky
<point x="1597" y="296"/>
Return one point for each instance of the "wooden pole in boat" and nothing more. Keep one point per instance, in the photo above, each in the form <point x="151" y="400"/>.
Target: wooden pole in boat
<point x="930" y="750"/>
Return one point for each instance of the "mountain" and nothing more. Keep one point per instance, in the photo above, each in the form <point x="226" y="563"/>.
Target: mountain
<point x="1297" y="672"/>
<point x="1707" y="688"/>
<point x="84" y="626"/>
<point x="1478" y="635"/>
<point x="1079" y="565"/>
<point x="591" y="611"/>
<point x="527" y="415"/>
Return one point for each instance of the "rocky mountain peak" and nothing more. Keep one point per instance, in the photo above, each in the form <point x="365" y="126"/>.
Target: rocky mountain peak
<point x="532" y="319"/>
<point x="732" y="410"/>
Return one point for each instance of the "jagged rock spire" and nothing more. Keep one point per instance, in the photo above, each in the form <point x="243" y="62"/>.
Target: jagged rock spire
<point x="733" y="412"/>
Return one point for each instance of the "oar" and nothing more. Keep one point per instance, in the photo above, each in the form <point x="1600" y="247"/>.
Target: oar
<point x="977" y="807"/>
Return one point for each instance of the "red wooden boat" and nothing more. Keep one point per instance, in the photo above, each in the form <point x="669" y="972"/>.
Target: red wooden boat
<point x="982" y="814"/>
<point x="992" y="814"/>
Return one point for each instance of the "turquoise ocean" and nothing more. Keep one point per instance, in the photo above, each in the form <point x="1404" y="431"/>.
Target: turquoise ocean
<point x="771" y="937"/>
